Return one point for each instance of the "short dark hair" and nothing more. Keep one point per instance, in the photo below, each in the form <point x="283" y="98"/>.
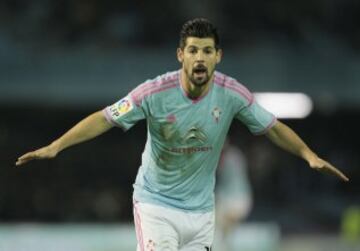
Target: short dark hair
<point x="200" y="28"/>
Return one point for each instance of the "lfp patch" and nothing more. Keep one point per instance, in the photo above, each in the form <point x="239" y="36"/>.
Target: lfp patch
<point x="120" y="108"/>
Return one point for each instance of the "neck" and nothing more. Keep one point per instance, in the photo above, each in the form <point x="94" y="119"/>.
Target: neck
<point x="194" y="91"/>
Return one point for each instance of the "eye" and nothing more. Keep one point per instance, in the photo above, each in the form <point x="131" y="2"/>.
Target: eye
<point x="192" y="50"/>
<point x="208" y="51"/>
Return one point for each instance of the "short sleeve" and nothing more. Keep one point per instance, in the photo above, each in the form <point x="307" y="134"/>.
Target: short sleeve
<point x="256" y="118"/>
<point x="124" y="113"/>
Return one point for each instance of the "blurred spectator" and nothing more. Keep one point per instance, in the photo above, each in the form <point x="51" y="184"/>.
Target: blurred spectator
<point x="233" y="193"/>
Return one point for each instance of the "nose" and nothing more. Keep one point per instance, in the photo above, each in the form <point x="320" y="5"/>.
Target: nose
<point x="200" y="56"/>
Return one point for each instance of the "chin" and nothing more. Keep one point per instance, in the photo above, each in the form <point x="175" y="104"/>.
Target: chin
<point x="199" y="84"/>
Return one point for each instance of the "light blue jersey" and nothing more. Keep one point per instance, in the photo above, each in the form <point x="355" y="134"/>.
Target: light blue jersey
<point x="185" y="136"/>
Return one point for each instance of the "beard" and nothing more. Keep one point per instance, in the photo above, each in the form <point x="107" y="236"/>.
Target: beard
<point x="199" y="76"/>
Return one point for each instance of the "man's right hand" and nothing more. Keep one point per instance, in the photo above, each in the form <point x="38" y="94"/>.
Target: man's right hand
<point x="88" y="128"/>
<point x="47" y="152"/>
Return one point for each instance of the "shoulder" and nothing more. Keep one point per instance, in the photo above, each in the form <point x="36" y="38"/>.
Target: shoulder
<point x="232" y="87"/>
<point x="150" y="87"/>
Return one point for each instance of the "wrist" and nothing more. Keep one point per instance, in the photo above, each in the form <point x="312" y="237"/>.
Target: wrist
<point x="309" y="155"/>
<point x="55" y="147"/>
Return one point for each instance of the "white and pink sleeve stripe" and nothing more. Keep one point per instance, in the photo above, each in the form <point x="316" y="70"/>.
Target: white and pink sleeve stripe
<point x="224" y="81"/>
<point x="152" y="87"/>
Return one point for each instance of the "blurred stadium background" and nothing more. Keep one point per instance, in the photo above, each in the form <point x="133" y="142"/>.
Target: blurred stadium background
<point x="61" y="60"/>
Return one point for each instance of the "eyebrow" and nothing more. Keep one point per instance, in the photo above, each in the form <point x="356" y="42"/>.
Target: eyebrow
<point x="205" y="47"/>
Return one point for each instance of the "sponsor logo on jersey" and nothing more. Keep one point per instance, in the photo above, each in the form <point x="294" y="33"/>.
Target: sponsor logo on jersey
<point x="191" y="150"/>
<point x="216" y="113"/>
<point x="120" y="108"/>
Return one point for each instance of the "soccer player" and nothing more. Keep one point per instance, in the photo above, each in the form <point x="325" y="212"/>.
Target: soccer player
<point x="188" y="114"/>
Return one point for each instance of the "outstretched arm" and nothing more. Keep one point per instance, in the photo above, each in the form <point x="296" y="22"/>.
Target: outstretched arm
<point x="88" y="128"/>
<point x="287" y="139"/>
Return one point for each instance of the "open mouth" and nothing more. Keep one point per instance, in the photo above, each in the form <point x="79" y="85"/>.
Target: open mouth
<point x="199" y="71"/>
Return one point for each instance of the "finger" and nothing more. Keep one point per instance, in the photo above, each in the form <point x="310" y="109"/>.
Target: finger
<point x="23" y="161"/>
<point x="26" y="158"/>
<point x="29" y="155"/>
<point x="20" y="162"/>
<point x="336" y="172"/>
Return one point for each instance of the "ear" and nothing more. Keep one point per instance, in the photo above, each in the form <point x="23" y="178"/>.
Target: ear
<point x="219" y="55"/>
<point x="180" y="55"/>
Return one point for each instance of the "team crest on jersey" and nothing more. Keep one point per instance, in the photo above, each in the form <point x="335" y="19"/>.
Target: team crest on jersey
<point x="216" y="113"/>
<point x="150" y="245"/>
<point x="120" y="108"/>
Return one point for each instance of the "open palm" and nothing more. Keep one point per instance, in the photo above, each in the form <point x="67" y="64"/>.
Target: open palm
<point x="324" y="166"/>
<point x="46" y="152"/>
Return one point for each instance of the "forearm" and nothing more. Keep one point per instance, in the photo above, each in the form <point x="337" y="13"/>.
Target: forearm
<point x="287" y="139"/>
<point x="88" y="128"/>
